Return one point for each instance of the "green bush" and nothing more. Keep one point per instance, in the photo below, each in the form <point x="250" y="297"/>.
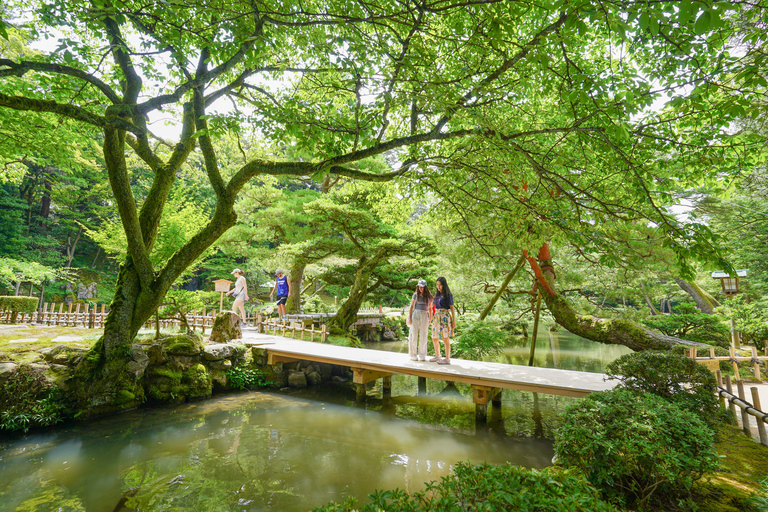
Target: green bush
<point x="18" y="305"/>
<point x="478" y="340"/>
<point x="635" y="447"/>
<point x="397" y="324"/>
<point x="675" y="378"/>
<point x="489" y="488"/>
<point x="691" y="324"/>
<point x="27" y="400"/>
<point x="751" y="318"/>
<point x="245" y="378"/>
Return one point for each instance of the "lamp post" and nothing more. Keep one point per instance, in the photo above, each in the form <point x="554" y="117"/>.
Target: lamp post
<point x="730" y="285"/>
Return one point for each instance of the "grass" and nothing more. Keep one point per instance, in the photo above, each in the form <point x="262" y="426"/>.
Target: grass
<point x="744" y="464"/>
<point x="27" y="352"/>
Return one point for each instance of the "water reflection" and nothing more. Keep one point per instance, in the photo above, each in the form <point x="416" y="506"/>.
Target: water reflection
<point x="253" y="451"/>
<point x="559" y="349"/>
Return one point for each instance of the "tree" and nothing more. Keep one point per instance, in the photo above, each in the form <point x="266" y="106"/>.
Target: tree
<point x="383" y="254"/>
<point x="348" y="81"/>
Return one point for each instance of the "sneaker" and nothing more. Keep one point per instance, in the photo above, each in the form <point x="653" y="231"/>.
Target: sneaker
<point x="444" y="360"/>
<point x="414" y="358"/>
<point x="422" y="358"/>
<point x="243" y="324"/>
<point x="435" y="359"/>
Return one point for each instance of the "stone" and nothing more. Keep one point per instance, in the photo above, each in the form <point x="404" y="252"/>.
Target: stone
<point x="189" y="344"/>
<point x="338" y="379"/>
<point x="156" y="355"/>
<point x="326" y="370"/>
<point x="389" y="335"/>
<point x="226" y="327"/>
<point x="139" y="361"/>
<point x="312" y="368"/>
<point x="314" y="378"/>
<point x="259" y="356"/>
<point x="219" y="379"/>
<point x="183" y="363"/>
<point x="226" y="364"/>
<point x="297" y="380"/>
<point x="218" y="351"/>
<point x="6" y="370"/>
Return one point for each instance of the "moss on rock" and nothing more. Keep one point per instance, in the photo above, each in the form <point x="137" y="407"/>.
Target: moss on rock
<point x="197" y="382"/>
<point x="189" y="344"/>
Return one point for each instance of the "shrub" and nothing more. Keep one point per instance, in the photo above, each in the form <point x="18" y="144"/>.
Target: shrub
<point x="27" y="400"/>
<point x="489" y="488"/>
<point x="635" y="446"/>
<point x="479" y="340"/>
<point x="396" y="324"/>
<point x="18" y="305"/>
<point x="675" y="378"/>
<point x="245" y="378"/>
<point x="691" y="324"/>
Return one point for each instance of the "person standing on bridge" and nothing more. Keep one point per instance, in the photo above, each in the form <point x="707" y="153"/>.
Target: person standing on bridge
<point x="443" y="322"/>
<point x="283" y="289"/>
<point x="240" y="292"/>
<point x="419" y="316"/>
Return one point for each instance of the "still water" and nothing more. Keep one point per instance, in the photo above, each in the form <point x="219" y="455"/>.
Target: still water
<point x="280" y="451"/>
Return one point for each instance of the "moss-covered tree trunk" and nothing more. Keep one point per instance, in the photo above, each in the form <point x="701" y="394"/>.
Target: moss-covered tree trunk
<point x="613" y="332"/>
<point x="704" y="301"/>
<point x="293" y="304"/>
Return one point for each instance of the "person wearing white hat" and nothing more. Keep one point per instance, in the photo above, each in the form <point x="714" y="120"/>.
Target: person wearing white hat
<point x="419" y="317"/>
<point x="240" y="292"/>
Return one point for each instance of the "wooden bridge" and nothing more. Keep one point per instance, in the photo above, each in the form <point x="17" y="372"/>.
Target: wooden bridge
<point x="486" y="379"/>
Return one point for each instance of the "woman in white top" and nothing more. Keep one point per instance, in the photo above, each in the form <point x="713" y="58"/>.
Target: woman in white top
<point x="240" y="292"/>
<point x="419" y="317"/>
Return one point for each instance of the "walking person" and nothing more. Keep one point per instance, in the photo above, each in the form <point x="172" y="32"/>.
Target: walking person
<point x="283" y="289"/>
<point x="443" y="322"/>
<point x="419" y="316"/>
<point x="240" y="292"/>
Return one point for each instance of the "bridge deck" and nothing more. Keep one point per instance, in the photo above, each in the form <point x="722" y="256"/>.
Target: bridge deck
<point x="369" y="365"/>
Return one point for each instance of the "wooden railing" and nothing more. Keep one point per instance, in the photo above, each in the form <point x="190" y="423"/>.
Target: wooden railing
<point x="281" y="327"/>
<point x="733" y="358"/>
<point x="725" y="392"/>
<point x="93" y="317"/>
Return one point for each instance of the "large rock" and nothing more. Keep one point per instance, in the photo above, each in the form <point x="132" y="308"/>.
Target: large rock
<point x="226" y="327"/>
<point x="6" y="370"/>
<point x="139" y="361"/>
<point x="225" y="364"/>
<point x="297" y="380"/>
<point x="218" y="351"/>
<point x="61" y="354"/>
<point x="189" y="344"/>
<point x="314" y="379"/>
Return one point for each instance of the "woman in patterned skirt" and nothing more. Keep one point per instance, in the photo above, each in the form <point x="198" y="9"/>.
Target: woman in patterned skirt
<point x="444" y="321"/>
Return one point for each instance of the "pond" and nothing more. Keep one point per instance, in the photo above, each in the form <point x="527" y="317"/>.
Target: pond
<point x="279" y="450"/>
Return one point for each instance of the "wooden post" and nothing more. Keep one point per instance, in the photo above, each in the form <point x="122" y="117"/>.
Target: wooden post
<point x="45" y="314"/>
<point x="729" y="389"/>
<point x="92" y="319"/>
<point x="360" y="392"/>
<point x="744" y="413"/>
<point x="535" y="328"/>
<point x="755" y="365"/>
<point x="284" y="327"/>
<point x="723" y="401"/>
<point x="61" y="314"/>
<point x="323" y="335"/>
<point x="421" y="383"/>
<point x="734" y="363"/>
<point x="496" y="400"/>
<point x="103" y="315"/>
<point x="386" y="386"/>
<point x="760" y="422"/>
<point x="293" y="329"/>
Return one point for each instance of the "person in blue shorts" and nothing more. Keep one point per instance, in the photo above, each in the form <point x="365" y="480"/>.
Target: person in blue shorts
<point x="283" y="289"/>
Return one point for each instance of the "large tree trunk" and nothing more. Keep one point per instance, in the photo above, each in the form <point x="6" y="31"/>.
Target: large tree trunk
<point x="293" y="304"/>
<point x="347" y="313"/>
<point x="704" y="301"/>
<point x="613" y="332"/>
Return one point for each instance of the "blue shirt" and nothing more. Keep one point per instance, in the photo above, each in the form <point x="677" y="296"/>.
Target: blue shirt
<point x="282" y="285"/>
<point x="442" y="302"/>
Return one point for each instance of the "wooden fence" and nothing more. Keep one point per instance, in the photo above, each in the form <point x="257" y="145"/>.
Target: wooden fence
<point x="93" y="317"/>
<point x="713" y="362"/>
<point x="729" y="401"/>
<point x="281" y="327"/>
